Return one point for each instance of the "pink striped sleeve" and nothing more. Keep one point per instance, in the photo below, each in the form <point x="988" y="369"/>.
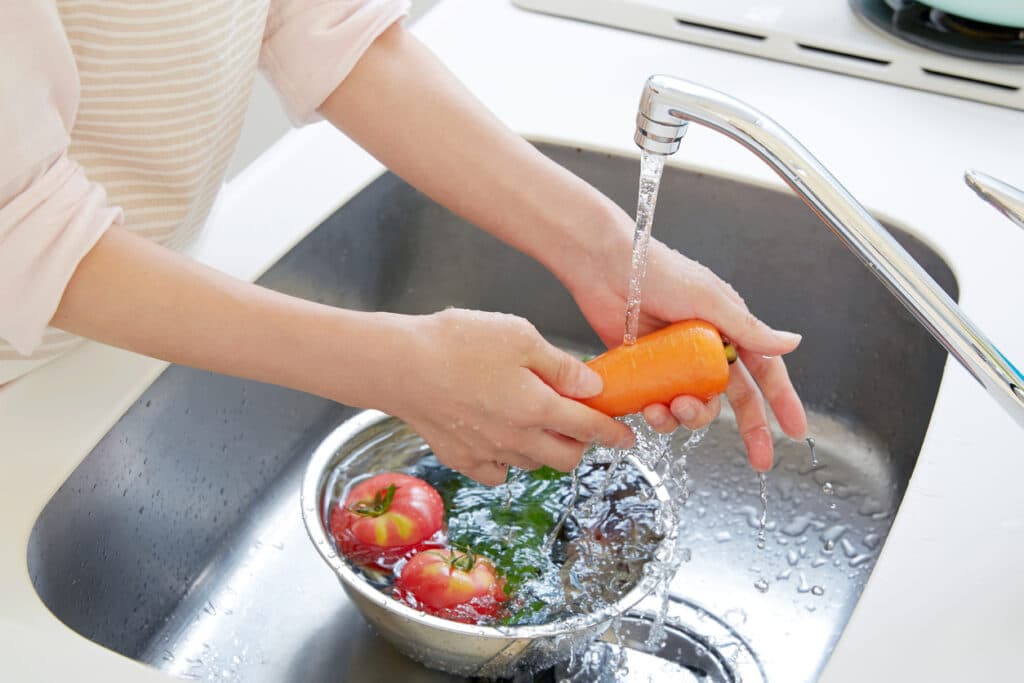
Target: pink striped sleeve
<point x="50" y="213"/>
<point x="311" y="45"/>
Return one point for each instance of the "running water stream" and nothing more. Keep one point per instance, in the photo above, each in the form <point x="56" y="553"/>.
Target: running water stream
<point x="651" y="167"/>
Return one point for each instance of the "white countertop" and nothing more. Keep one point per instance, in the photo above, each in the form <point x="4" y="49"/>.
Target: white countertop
<point x="944" y="600"/>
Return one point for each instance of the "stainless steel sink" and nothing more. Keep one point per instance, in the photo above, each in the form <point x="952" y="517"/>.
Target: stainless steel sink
<point x="179" y="542"/>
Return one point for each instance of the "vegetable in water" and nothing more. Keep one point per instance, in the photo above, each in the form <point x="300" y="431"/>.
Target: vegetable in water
<point x="454" y="584"/>
<point x="387" y="517"/>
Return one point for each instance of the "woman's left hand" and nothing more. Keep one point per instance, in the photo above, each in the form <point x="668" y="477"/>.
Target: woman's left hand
<point x="678" y="288"/>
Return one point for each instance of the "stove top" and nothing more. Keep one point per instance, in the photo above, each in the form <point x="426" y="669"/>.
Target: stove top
<point x="944" y="32"/>
<point x="894" y="41"/>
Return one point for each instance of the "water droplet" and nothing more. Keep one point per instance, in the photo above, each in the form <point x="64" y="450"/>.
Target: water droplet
<point x="860" y="559"/>
<point x="817" y="590"/>
<point x="763" y="522"/>
<point x="723" y="537"/>
<point x="814" y="455"/>
<point x="761" y="585"/>
<point x="828" y="489"/>
<point x="797" y="525"/>
<point x="735" y="616"/>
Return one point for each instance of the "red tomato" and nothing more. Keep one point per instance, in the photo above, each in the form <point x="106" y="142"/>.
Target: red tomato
<point x="452" y="584"/>
<point x="386" y="517"/>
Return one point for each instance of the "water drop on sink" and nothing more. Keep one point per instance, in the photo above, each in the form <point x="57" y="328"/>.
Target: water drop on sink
<point x="814" y="455"/>
<point x="797" y="525"/>
<point x="735" y="616"/>
<point x="817" y="590"/>
<point x="761" y="585"/>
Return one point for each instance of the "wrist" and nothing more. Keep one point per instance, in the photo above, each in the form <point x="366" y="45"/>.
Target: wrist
<point x="595" y="244"/>
<point x="357" y="358"/>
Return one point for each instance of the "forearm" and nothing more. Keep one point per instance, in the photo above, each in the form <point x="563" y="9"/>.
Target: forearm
<point x="402" y="104"/>
<point x="130" y="293"/>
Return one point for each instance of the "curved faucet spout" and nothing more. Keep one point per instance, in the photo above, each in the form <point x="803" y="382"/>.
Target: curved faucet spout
<point x="668" y="104"/>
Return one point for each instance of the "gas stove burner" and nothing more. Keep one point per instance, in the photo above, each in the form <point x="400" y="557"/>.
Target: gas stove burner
<point x="934" y="29"/>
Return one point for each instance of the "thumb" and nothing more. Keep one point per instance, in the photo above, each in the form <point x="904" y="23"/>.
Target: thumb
<point x="565" y="374"/>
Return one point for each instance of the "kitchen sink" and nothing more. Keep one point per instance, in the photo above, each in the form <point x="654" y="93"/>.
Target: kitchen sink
<point x="178" y="541"/>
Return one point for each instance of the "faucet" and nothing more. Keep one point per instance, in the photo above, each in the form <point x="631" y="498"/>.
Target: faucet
<point x="1007" y="199"/>
<point x="668" y="104"/>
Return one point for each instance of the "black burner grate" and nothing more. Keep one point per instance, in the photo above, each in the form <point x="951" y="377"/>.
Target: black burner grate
<point x="922" y="25"/>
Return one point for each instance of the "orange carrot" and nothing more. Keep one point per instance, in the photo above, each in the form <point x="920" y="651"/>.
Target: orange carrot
<point x="685" y="358"/>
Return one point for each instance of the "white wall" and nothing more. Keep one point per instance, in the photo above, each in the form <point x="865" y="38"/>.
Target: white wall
<point x="265" y="121"/>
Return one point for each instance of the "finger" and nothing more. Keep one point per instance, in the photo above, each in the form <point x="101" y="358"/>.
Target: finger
<point x="751" y="418"/>
<point x="487" y="473"/>
<point x="563" y="373"/>
<point x="732" y="317"/>
<point x="586" y="425"/>
<point x="693" y="412"/>
<point x="773" y="378"/>
<point x="523" y="462"/>
<point x="660" y="418"/>
<point x="554" y="450"/>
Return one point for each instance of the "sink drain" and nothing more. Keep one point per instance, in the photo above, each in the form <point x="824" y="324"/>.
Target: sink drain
<point x="698" y="648"/>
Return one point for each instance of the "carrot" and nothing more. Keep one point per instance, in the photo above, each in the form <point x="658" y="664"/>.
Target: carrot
<point x="685" y="358"/>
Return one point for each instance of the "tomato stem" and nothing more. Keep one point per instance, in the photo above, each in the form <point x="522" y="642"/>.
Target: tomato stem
<point x="464" y="561"/>
<point x="380" y="504"/>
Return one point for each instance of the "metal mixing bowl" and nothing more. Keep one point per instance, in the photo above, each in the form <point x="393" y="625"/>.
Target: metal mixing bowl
<point x="374" y="442"/>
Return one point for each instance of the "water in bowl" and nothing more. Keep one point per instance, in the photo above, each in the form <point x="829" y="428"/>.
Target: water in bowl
<point x="566" y="544"/>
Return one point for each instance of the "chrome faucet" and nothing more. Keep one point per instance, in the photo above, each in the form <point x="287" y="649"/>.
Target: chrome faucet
<point x="1007" y="199"/>
<point x="668" y="104"/>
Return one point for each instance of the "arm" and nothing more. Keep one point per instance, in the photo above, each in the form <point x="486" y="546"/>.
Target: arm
<point x="402" y="105"/>
<point x="66" y="260"/>
<point x="136" y="295"/>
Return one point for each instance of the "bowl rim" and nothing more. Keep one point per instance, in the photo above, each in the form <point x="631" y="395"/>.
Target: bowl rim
<point x="314" y="480"/>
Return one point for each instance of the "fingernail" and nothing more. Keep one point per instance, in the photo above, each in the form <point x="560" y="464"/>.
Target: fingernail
<point x="791" y="338"/>
<point x="688" y="414"/>
<point x="590" y="383"/>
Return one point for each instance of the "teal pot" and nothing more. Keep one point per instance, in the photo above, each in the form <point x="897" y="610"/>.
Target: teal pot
<point x="1001" y="12"/>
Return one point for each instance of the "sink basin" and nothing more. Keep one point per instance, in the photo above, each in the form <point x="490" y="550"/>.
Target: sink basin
<point x="178" y="541"/>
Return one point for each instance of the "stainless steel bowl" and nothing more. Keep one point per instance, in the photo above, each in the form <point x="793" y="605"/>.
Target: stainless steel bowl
<point x="374" y="442"/>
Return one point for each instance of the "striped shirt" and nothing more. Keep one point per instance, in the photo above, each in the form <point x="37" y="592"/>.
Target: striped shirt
<point x="125" y="112"/>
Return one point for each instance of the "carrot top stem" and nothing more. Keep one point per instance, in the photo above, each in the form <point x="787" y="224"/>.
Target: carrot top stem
<point x="730" y="352"/>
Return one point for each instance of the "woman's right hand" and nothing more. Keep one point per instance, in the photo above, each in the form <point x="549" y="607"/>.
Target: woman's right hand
<point x="485" y="390"/>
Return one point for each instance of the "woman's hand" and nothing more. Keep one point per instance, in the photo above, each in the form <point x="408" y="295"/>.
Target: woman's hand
<point x="678" y="288"/>
<point x="485" y="390"/>
<point x="448" y="150"/>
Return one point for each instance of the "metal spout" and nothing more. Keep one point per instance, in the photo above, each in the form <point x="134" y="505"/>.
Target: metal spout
<point x="668" y="104"/>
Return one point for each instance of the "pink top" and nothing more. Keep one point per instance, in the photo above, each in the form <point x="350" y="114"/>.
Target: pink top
<point x="115" y="113"/>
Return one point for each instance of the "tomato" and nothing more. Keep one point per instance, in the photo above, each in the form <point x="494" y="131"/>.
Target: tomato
<point x="387" y="517"/>
<point x="453" y="584"/>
